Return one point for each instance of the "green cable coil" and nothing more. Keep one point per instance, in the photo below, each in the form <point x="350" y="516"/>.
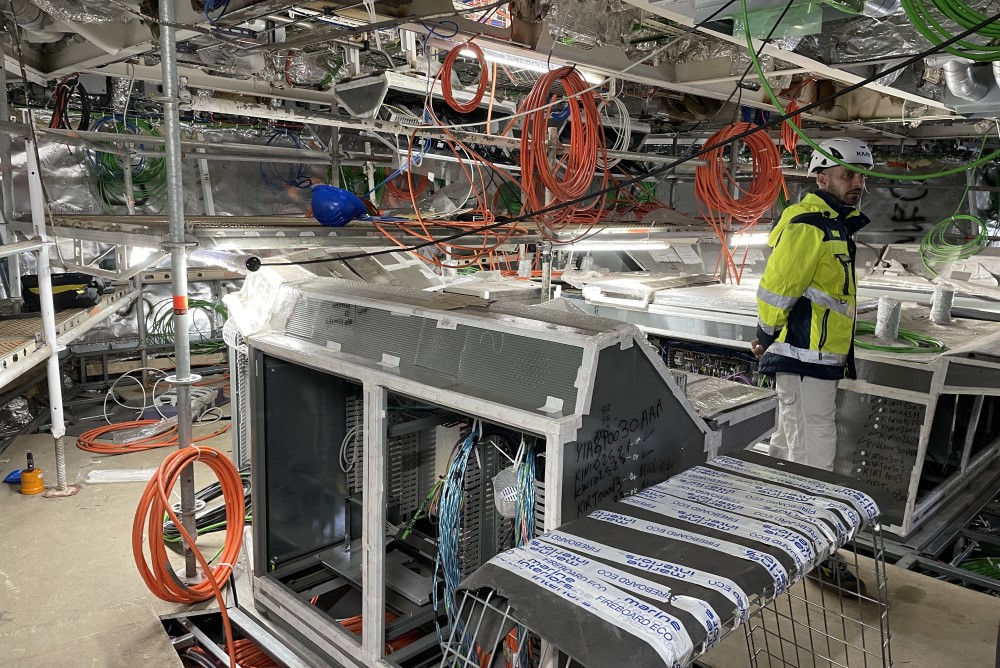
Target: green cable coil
<point x="918" y="343"/>
<point x="149" y="175"/>
<point x="935" y="248"/>
<point x="927" y="24"/>
<point x="981" y="160"/>
<point x="160" y="324"/>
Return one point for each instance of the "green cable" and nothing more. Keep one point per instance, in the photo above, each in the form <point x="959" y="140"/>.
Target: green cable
<point x="966" y="17"/>
<point x="420" y="511"/>
<point x="149" y="176"/>
<point x="982" y="160"/>
<point x="919" y="343"/>
<point x="160" y="324"/>
<point x="936" y="249"/>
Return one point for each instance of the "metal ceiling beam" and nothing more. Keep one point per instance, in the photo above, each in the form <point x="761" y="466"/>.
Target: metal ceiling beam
<point x="671" y="12"/>
<point x="196" y="78"/>
<point x="119" y="41"/>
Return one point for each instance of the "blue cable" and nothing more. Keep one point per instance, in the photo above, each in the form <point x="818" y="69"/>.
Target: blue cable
<point x="447" y="562"/>
<point x="296" y="178"/>
<point x="212" y="6"/>
<point x="415" y="162"/>
<point x="433" y="32"/>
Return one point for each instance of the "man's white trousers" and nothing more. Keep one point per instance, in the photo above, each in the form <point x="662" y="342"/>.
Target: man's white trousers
<point x="807" y="427"/>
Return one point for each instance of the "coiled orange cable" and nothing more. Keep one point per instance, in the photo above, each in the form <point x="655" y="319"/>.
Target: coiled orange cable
<point x="572" y="175"/>
<point x="715" y="185"/>
<point x="788" y="137"/>
<point x="158" y="573"/>
<point x="90" y="440"/>
<point x="445" y="75"/>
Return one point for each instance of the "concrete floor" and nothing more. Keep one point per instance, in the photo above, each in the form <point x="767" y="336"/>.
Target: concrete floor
<point x="70" y="593"/>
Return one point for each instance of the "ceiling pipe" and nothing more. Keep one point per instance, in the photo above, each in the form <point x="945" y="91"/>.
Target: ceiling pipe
<point x="962" y="80"/>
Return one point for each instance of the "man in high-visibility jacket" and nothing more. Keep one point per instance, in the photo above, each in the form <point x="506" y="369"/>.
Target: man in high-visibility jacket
<point x="806" y="305"/>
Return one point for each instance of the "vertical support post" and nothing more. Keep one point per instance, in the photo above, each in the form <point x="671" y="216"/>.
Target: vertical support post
<point x="970" y="181"/>
<point x="7" y="189"/>
<point x="54" y="376"/>
<point x="373" y="524"/>
<point x="546" y="247"/>
<point x="127" y="173"/>
<point x="178" y="266"/>
<point x="206" y="182"/>
<point x="140" y="320"/>
<point x="334" y="150"/>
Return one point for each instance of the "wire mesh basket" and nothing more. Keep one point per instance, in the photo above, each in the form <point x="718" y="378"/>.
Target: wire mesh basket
<point x="827" y="620"/>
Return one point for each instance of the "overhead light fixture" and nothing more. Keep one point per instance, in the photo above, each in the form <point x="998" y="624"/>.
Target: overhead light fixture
<point x="616" y="245"/>
<point x="530" y="64"/>
<point x="753" y="239"/>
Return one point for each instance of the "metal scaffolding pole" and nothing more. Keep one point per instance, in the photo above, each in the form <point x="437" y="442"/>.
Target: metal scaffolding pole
<point x="37" y="195"/>
<point x="178" y="247"/>
<point x="7" y="186"/>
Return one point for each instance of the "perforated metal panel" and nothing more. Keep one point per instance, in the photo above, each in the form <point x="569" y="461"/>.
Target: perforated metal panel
<point x="239" y="383"/>
<point x="485" y="363"/>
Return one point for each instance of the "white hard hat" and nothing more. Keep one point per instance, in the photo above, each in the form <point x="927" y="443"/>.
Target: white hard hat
<point x="847" y="149"/>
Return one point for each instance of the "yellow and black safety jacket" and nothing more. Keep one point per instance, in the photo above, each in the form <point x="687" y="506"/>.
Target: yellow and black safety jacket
<point x="807" y="297"/>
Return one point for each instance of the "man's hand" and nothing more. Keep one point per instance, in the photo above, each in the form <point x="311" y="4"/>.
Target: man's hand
<point x="757" y="348"/>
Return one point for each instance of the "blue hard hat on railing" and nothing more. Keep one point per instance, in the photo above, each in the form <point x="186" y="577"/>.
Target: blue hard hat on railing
<point x="336" y="207"/>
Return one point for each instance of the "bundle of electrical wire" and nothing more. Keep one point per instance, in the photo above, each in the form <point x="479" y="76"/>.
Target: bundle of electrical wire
<point x="446" y="72"/>
<point x="914" y="341"/>
<point x="789" y="140"/>
<point x="213" y="519"/>
<point x="936" y="248"/>
<point x="97" y="439"/>
<point x="355" y="625"/>
<point x="160" y="324"/>
<point x="157" y="572"/>
<point x="447" y="564"/>
<point x="623" y="132"/>
<point x="570" y="175"/>
<point x="61" y="97"/>
<point x="149" y="175"/>
<point x="960" y="13"/>
<point x="715" y="184"/>
<point x="284" y="176"/>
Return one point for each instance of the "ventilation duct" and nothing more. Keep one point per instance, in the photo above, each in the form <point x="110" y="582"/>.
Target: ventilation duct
<point x="961" y="80"/>
<point x="82" y="11"/>
<point x="32" y="20"/>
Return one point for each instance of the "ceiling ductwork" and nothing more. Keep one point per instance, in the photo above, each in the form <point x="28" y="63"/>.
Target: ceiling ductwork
<point x="83" y="11"/>
<point x="963" y="80"/>
<point x="37" y="25"/>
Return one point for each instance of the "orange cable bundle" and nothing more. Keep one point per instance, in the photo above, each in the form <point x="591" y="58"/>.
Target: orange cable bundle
<point x="572" y="176"/>
<point x="788" y="137"/>
<point x="355" y="625"/>
<point x="445" y="76"/>
<point x="714" y="184"/>
<point x="90" y="440"/>
<point x="404" y="191"/>
<point x="158" y="573"/>
<point x="249" y="655"/>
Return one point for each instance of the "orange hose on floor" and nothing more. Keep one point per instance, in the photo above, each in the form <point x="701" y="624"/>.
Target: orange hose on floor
<point x="158" y="573"/>
<point x="89" y="440"/>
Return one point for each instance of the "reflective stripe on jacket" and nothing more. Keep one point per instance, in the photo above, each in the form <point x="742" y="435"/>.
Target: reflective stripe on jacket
<point x="808" y="294"/>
